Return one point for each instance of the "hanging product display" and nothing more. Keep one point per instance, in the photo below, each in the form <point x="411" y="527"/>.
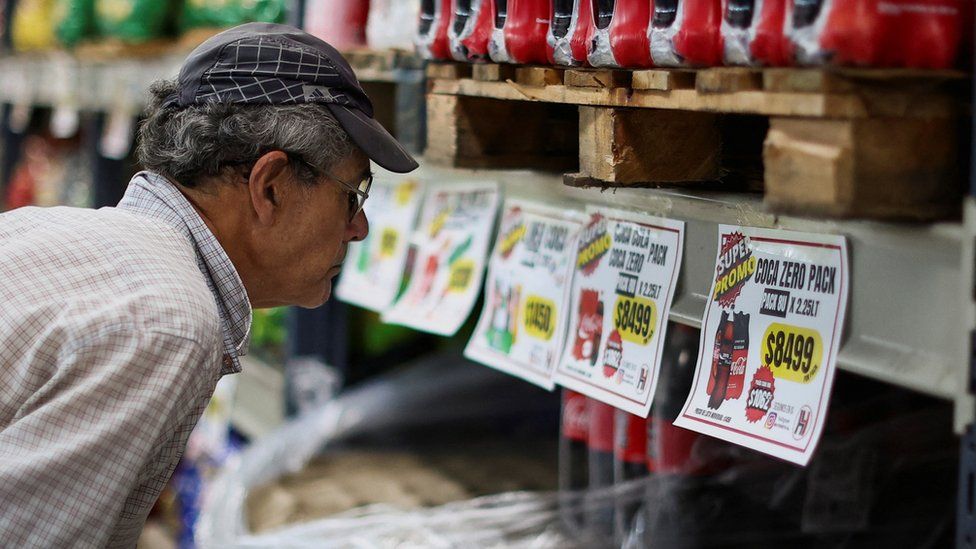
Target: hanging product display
<point x="752" y="33"/>
<point x="621" y="36"/>
<point x="432" y="29"/>
<point x="686" y="33"/>
<point x="374" y="266"/>
<point x="450" y="250"/>
<point x="626" y="270"/>
<point x="385" y="27"/>
<point x="225" y="13"/>
<point x="520" y="30"/>
<point x="74" y="20"/>
<point x="872" y="32"/>
<point x="132" y="20"/>
<point x="470" y="29"/>
<point x="523" y="325"/>
<point x="341" y="23"/>
<point x="772" y="327"/>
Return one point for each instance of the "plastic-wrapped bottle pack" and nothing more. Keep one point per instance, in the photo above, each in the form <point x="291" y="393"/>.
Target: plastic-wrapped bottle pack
<point x="432" y="31"/>
<point x="874" y="32"/>
<point x="752" y="33"/>
<point x="686" y="33"/>
<point x="385" y="27"/>
<point x="470" y="29"/>
<point x="520" y="30"/>
<point x="621" y="36"/>
<point x="571" y="32"/>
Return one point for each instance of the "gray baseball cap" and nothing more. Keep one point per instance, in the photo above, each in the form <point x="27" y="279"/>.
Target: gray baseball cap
<point x="271" y="64"/>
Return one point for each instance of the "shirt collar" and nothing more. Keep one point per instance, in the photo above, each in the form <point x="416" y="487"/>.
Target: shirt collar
<point x="155" y="196"/>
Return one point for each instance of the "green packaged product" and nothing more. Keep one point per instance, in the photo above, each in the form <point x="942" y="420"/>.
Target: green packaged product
<point x="228" y="13"/>
<point x="132" y="20"/>
<point x="74" y="20"/>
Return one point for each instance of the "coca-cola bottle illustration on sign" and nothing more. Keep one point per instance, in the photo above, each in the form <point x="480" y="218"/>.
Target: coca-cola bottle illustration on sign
<point x="722" y="364"/>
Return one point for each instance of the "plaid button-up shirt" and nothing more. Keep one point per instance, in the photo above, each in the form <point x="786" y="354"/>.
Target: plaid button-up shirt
<point x="115" y="325"/>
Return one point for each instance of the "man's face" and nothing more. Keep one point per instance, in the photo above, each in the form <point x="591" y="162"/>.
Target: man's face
<point x="304" y="251"/>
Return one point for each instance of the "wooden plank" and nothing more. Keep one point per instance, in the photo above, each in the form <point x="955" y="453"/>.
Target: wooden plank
<point x="539" y="76"/>
<point x="890" y="168"/>
<point x="728" y="80"/>
<point x="630" y="146"/>
<point x="662" y="79"/>
<point x="582" y="78"/>
<point x="803" y="81"/>
<point x="492" y="72"/>
<point x="473" y="132"/>
<point x="448" y="71"/>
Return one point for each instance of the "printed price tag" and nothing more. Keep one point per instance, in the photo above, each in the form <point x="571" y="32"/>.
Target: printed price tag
<point x="374" y="267"/>
<point x="769" y="340"/>
<point x="449" y="248"/>
<point x="523" y="324"/>
<point x="626" y="269"/>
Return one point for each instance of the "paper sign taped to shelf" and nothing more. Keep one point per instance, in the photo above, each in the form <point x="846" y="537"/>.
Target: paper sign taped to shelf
<point x="523" y="324"/>
<point x="449" y="249"/>
<point x="626" y="270"/>
<point x="769" y="340"/>
<point x="374" y="267"/>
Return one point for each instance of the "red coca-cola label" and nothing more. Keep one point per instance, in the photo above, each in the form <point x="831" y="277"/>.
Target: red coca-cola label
<point x="630" y="438"/>
<point x="669" y="448"/>
<point x="600" y="434"/>
<point x="590" y="328"/>
<point x="575" y="420"/>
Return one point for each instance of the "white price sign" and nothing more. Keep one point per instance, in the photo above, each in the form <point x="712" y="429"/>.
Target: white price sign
<point x="769" y="340"/>
<point x="523" y="325"/>
<point x="626" y="270"/>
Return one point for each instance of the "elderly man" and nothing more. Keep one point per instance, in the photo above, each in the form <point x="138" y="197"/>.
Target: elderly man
<point x="115" y="324"/>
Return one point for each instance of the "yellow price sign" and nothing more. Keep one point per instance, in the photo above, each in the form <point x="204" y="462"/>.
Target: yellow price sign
<point x="791" y="352"/>
<point x="404" y="192"/>
<point x="635" y="319"/>
<point x="388" y="242"/>
<point x="539" y="317"/>
<point x="462" y="271"/>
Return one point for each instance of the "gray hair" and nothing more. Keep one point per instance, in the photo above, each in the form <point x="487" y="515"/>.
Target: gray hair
<point x="191" y="144"/>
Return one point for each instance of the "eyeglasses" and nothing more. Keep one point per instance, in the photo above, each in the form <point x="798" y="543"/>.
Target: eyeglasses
<point x="357" y="194"/>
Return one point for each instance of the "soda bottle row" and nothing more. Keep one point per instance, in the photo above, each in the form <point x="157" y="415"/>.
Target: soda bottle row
<point x="883" y="476"/>
<point x="698" y="33"/>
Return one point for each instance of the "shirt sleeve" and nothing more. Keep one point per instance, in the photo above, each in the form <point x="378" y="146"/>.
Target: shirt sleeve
<point x="91" y="450"/>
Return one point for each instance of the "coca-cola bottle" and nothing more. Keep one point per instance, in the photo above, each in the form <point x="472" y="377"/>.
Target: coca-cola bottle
<point x="686" y="33"/>
<point x="671" y="499"/>
<point x="573" y="459"/>
<point x="471" y="29"/>
<point x="599" y="506"/>
<point x="432" y="30"/>
<point x="526" y="27"/>
<point x="621" y="37"/>
<point x="630" y="462"/>
<point x="562" y="26"/>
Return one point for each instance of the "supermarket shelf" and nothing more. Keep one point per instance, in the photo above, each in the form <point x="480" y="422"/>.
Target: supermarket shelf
<point x="905" y="318"/>
<point x="259" y="400"/>
<point x="106" y="82"/>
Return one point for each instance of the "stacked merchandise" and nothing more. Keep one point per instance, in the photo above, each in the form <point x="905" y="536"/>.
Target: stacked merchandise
<point x="702" y="492"/>
<point x="698" y="33"/>
<point x="341" y="23"/>
<point x="50" y="171"/>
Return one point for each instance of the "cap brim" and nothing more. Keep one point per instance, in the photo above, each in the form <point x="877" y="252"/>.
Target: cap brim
<point x="373" y="139"/>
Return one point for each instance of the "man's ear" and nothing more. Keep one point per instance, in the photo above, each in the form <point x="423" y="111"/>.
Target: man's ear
<point x="267" y="184"/>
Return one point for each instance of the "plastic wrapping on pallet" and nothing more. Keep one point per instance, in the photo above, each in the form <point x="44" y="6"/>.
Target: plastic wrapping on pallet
<point x="520" y="30"/>
<point x="621" y="35"/>
<point x="752" y="33"/>
<point x="442" y="391"/>
<point x="872" y="32"/>
<point x="341" y="23"/>
<point x="470" y="29"/>
<point x="385" y="27"/>
<point x="432" y="32"/>
<point x="686" y="33"/>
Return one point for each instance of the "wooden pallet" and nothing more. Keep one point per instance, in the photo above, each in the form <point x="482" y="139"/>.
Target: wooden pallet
<point x="864" y="143"/>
